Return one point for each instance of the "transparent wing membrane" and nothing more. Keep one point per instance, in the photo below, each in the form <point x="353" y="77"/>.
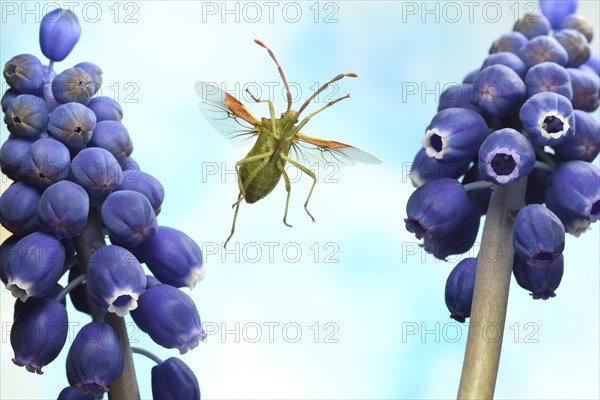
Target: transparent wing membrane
<point x="311" y="150"/>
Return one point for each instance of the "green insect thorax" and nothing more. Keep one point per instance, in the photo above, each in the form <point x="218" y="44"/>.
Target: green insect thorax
<point x="261" y="176"/>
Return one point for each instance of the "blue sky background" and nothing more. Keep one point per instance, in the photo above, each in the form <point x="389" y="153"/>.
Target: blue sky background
<point x="334" y="301"/>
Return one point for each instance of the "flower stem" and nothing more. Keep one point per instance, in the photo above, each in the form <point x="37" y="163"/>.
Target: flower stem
<point x="147" y="353"/>
<point x="88" y="241"/>
<point x="72" y="285"/>
<point x="490" y="297"/>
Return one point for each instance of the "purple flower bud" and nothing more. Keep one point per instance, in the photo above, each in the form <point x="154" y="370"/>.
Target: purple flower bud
<point x="459" y="289"/>
<point x="78" y="295"/>
<point x="586" y="89"/>
<point x="539" y="236"/>
<point x="18" y="208"/>
<point x="72" y="123"/>
<point x="129" y="217"/>
<point x="454" y="135"/>
<point x="548" y="77"/>
<point x="499" y="91"/>
<point x="26" y="116"/>
<point x="24" y="73"/>
<point x="432" y="208"/>
<point x="34" y="265"/>
<point x="573" y="194"/>
<point x="507" y="59"/>
<point x="505" y="157"/>
<point x="73" y="393"/>
<point x="129" y="164"/>
<point x="39" y="333"/>
<point x="145" y="184"/>
<point x="426" y="169"/>
<point x="548" y="118"/>
<point x="511" y="42"/>
<point x="170" y="318"/>
<point x="576" y="45"/>
<point x="97" y="171"/>
<point x="471" y="76"/>
<point x="12" y="153"/>
<point x="173" y="257"/>
<point x="47" y="161"/>
<point x="112" y="136"/>
<point x="5" y="250"/>
<point x="585" y="145"/>
<point x="461" y="238"/>
<point x="579" y="23"/>
<point x="93" y="71"/>
<point x="540" y="281"/>
<point x="115" y="280"/>
<point x="106" y="109"/>
<point x="557" y="10"/>
<point x="173" y="379"/>
<point x="74" y="84"/>
<point x="95" y="359"/>
<point x="59" y="32"/>
<point x="63" y="209"/>
<point x="458" y="96"/>
<point x="593" y="63"/>
<point x="532" y="25"/>
<point x="541" y="49"/>
<point x="7" y="98"/>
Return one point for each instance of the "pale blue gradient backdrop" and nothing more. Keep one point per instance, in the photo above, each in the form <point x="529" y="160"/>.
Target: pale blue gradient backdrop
<point x="353" y="276"/>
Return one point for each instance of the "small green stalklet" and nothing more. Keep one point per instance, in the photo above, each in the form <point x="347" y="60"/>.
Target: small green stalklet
<point x="278" y="140"/>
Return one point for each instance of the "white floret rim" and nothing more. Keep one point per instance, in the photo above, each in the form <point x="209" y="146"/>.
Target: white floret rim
<point x="426" y="142"/>
<point x="555" y="135"/>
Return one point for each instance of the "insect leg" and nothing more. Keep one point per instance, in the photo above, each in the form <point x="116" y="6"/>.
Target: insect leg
<point x="234" y="219"/>
<point x="239" y="175"/>
<point x="288" y="188"/>
<point x="307" y="172"/>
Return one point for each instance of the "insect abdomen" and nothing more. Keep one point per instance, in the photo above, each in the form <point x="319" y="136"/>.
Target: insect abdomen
<point x="263" y="182"/>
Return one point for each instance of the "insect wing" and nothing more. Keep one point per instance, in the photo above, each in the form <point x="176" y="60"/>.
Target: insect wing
<point x="312" y="150"/>
<point x="226" y="113"/>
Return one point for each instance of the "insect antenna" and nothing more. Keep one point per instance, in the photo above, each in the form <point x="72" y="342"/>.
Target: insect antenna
<point x="285" y="83"/>
<point x="315" y="94"/>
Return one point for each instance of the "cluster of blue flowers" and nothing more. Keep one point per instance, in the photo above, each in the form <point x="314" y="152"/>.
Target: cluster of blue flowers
<point x="524" y="114"/>
<point x="69" y="157"/>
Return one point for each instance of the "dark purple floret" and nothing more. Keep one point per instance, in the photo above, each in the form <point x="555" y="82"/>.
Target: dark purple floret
<point x="511" y="42"/>
<point x="93" y="71"/>
<point x="454" y="135"/>
<point x="507" y="59"/>
<point x="548" y="77"/>
<point x="47" y="161"/>
<point x="74" y="84"/>
<point x="12" y="153"/>
<point x="539" y="236"/>
<point x="505" y="157"/>
<point x="548" y="118"/>
<point x="576" y="45"/>
<point x="26" y="116"/>
<point x="557" y="10"/>
<point x="585" y="145"/>
<point x="542" y="49"/>
<point x="426" y="169"/>
<point x="145" y="184"/>
<point x="95" y="359"/>
<point x="499" y="91"/>
<point x="72" y="124"/>
<point x="112" y="136"/>
<point x="24" y="74"/>
<point x="459" y="289"/>
<point x="586" y="88"/>
<point x="63" y="209"/>
<point x="97" y="171"/>
<point x="73" y="393"/>
<point x="18" y="208"/>
<point x="532" y="25"/>
<point x="170" y="317"/>
<point x="173" y="379"/>
<point x="458" y="96"/>
<point x="39" y="333"/>
<point x="540" y="281"/>
<point x="59" y="33"/>
<point x="431" y="209"/>
<point x="106" y="109"/>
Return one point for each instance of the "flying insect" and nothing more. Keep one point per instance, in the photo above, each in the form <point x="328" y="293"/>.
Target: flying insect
<point x="277" y="141"/>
